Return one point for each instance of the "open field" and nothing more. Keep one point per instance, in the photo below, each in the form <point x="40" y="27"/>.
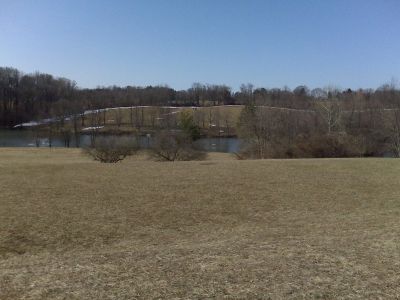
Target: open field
<point x="215" y="120"/>
<point x="72" y="228"/>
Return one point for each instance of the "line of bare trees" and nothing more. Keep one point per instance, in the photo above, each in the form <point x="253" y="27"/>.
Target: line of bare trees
<point x="26" y="97"/>
<point x="281" y="122"/>
<point x="342" y="124"/>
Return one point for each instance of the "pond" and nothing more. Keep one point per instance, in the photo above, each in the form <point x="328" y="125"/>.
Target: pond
<point x="26" y="138"/>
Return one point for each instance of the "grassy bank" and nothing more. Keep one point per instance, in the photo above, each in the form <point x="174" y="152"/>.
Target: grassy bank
<point x="72" y="228"/>
<point x="213" y="121"/>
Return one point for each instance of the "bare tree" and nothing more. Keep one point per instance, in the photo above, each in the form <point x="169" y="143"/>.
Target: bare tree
<point x="199" y="117"/>
<point x="395" y="131"/>
<point x="256" y="128"/>
<point x="331" y="113"/>
<point x="131" y="115"/>
<point x="118" y="116"/>
<point x="95" y="119"/>
<point x="66" y="135"/>
<point x="76" y="130"/>
<point x="154" y="115"/>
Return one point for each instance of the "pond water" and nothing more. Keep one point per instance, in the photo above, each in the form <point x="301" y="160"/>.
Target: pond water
<point x="26" y="138"/>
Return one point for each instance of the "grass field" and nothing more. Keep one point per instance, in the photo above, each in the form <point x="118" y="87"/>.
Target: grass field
<point x="72" y="228"/>
<point x="212" y="119"/>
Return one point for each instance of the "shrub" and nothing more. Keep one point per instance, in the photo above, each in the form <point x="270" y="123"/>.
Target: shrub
<point x="171" y="146"/>
<point x="320" y="146"/>
<point x="254" y="150"/>
<point x="112" y="149"/>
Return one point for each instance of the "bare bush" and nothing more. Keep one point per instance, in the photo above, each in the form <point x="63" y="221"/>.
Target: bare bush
<point x="112" y="149"/>
<point x="395" y="131"/>
<point x="172" y="146"/>
<point x="331" y="145"/>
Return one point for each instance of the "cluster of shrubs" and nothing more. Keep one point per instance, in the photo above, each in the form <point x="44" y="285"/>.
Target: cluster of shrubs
<point x="171" y="146"/>
<point x="332" y="145"/>
<point x="320" y="146"/>
<point x="112" y="149"/>
<point x="167" y="145"/>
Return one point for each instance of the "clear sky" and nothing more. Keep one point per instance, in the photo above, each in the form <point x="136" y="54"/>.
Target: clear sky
<point x="344" y="43"/>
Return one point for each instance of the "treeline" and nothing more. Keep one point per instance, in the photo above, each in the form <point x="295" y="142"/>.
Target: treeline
<point x="274" y="122"/>
<point x="345" y="124"/>
<point x="27" y="97"/>
<point x="24" y="97"/>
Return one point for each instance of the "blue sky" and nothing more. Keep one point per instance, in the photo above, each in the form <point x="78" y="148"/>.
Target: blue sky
<point x="343" y="43"/>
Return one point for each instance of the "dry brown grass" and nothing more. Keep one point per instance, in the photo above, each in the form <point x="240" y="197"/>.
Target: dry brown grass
<point x="72" y="228"/>
<point x="152" y="114"/>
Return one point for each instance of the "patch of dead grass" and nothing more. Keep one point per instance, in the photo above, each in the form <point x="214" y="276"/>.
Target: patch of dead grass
<point x="72" y="228"/>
